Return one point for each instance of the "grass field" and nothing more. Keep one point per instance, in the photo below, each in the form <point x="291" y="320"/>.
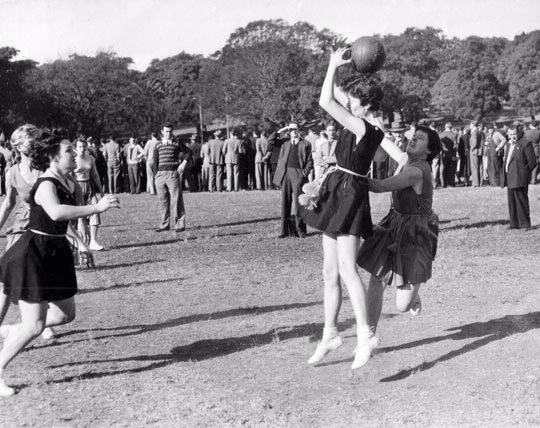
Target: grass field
<point x="213" y="328"/>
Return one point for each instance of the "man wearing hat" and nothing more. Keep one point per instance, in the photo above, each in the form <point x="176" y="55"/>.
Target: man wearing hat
<point x="217" y="160"/>
<point x="294" y="165"/>
<point x="448" y="154"/>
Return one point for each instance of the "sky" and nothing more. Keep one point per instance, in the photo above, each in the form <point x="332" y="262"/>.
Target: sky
<point x="46" y="30"/>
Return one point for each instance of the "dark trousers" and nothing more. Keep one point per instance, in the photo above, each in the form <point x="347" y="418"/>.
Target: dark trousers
<point x="518" y="207"/>
<point x="291" y="187"/>
<point x="134" y="178"/>
<point x="476" y="170"/>
<point x="448" y="173"/>
<point x="113" y="175"/>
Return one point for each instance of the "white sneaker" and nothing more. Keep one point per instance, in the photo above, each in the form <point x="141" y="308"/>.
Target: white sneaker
<point x="324" y="347"/>
<point x="362" y="352"/>
<point x="416" y="307"/>
<point x="48" y="333"/>
<point x="94" y="246"/>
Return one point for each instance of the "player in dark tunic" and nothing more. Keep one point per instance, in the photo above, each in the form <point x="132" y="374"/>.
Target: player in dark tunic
<point x="340" y="208"/>
<point x="38" y="270"/>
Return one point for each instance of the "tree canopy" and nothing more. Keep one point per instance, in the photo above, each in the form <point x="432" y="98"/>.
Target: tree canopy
<point x="268" y="72"/>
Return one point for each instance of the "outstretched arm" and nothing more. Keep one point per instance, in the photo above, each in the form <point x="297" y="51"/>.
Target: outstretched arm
<point x="46" y="197"/>
<point x="411" y="176"/>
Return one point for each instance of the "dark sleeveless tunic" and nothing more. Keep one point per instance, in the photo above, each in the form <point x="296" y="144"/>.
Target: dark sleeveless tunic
<point x="404" y="243"/>
<point x="38" y="267"/>
<point x="343" y="207"/>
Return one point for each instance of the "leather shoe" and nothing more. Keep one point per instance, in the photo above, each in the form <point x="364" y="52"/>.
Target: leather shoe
<point x="180" y="229"/>
<point x="282" y="236"/>
<point x="162" y="229"/>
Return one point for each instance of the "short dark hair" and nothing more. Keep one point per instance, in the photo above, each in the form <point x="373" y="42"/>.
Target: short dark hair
<point x="434" y="142"/>
<point x="166" y="125"/>
<point x="367" y="90"/>
<point x="46" y="147"/>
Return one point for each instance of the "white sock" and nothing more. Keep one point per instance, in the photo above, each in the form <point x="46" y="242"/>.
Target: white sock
<point x="329" y="333"/>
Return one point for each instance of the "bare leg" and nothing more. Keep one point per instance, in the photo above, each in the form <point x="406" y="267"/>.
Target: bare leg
<point x="94" y="246"/>
<point x="332" y="301"/>
<point x="332" y="286"/>
<point x="33" y="317"/>
<point x="61" y="312"/>
<point x="406" y="296"/>
<point x="347" y="250"/>
<point x="4" y="305"/>
<point x="375" y="301"/>
<point x="348" y="246"/>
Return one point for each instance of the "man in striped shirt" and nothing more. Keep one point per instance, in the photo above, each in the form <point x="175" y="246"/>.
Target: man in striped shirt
<point x="170" y="159"/>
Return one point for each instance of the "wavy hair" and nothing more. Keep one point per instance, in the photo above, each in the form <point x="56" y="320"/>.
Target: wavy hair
<point x="46" y="147"/>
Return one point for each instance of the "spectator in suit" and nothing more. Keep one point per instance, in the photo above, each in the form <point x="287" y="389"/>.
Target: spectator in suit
<point x="464" y="152"/>
<point x="533" y="135"/>
<point x="112" y="155"/>
<point x="205" y="167"/>
<point x="133" y="154"/>
<point x="312" y="138"/>
<point x="262" y="155"/>
<point x="519" y="161"/>
<point x="495" y="143"/>
<point x="231" y="150"/>
<point x="476" y="150"/>
<point x="293" y="168"/>
<point x="325" y="154"/>
<point x="196" y="163"/>
<point x="449" y="145"/>
<point x="217" y="161"/>
<point x="149" y="148"/>
<point x="397" y="130"/>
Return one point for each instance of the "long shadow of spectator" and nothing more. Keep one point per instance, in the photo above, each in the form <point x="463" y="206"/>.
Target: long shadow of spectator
<point x="201" y="350"/>
<point x="132" y="330"/>
<point x="488" y="332"/>
<point x="121" y="265"/>
<point x="236" y="223"/>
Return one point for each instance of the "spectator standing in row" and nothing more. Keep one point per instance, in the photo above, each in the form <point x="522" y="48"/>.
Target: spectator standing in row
<point x="170" y="159"/>
<point x="312" y="138"/>
<point x="149" y="149"/>
<point x="205" y="168"/>
<point x="476" y="148"/>
<point x="519" y="161"/>
<point x="397" y="131"/>
<point x="217" y="161"/>
<point x="231" y="150"/>
<point x="133" y="154"/>
<point x="196" y="163"/>
<point x="464" y="153"/>
<point x="325" y="154"/>
<point x="5" y="162"/>
<point x="448" y="155"/>
<point x="533" y="135"/>
<point x="293" y="168"/>
<point x="112" y="155"/>
<point x="262" y="155"/>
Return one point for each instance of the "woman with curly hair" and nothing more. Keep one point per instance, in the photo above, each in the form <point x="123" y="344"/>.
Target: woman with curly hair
<point x="342" y="210"/>
<point x="404" y="243"/>
<point x="38" y="270"/>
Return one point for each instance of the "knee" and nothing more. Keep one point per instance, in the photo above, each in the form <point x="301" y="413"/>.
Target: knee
<point x="33" y="329"/>
<point x="347" y="271"/>
<point x="330" y="274"/>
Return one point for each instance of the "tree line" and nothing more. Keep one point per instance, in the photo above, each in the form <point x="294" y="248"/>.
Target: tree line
<point x="267" y="73"/>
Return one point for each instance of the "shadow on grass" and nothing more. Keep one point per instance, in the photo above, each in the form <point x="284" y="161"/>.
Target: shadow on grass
<point x="146" y="244"/>
<point x="201" y="350"/>
<point x="127" y="285"/>
<point x="121" y="265"/>
<point x="236" y="223"/>
<point x="478" y="225"/>
<point x="487" y="332"/>
<point x="132" y="330"/>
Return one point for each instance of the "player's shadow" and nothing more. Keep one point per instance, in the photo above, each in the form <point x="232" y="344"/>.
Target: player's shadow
<point x="477" y="225"/>
<point x="486" y="332"/>
<point x="199" y="351"/>
<point x="136" y="329"/>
